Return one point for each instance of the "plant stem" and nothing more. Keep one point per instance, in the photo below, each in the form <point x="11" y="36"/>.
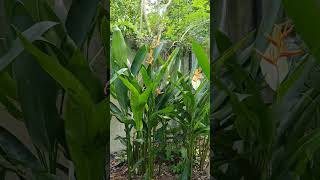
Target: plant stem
<point x="129" y="155"/>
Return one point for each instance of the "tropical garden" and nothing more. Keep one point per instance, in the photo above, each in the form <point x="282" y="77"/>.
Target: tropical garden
<point x="67" y="67"/>
<point x="265" y="90"/>
<point x="160" y="88"/>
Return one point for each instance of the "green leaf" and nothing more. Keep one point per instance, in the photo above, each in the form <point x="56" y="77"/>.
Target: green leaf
<point x="105" y="37"/>
<point x="137" y="107"/>
<point x="202" y="58"/>
<point x="83" y="122"/>
<point x="16" y="152"/>
<point x="87" y="134"/>
<point x="119" y="57"/>
<point x="32" y="34"/>
<point x="64" y="77"/>
<point x="79" y="67"/>
<point x="156" y="52"/>
<point x="138" y="59"/>
<point x="12" y="109"/>
<point x="146" y="79"/>
<point x="307" y="144"/>
<point x="230" y="53"/>
<point x="37" y="93"/>
<point x="78" y="23"/>
<point x="8" y="85"/>
<point x="130" y="86"/>
<point x="303" y="16"/>
<point x="119" y="52"/>
<point x="290" y="81"/>
<point x="120" y="72"/>
<point x="165" y="111"/>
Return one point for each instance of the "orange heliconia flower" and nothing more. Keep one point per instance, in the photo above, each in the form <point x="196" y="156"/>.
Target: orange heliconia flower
<point x="279" y="47"/>
<point x="154" y="44"/>
<point x="197" y="76"/>
<point x="158" y="91"/>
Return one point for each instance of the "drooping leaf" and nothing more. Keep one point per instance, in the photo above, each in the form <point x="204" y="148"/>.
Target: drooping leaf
<point x="119" y="54"/>
<point x="139" y="59"/>
<point x="78" y="23"/>
<point x="303" y="16"/>
<point x="119" y="58"/>
<point x="202" y="58"/>
<point x="16" y="152"/>
<point x="80" y="68"/>
<point x="230" y="53"/>
<point x="32" y="34"/>
<point x="295" y="76"/>
<point x="307" y="145"/>
<point x="120" y="72"/>
<point x="64" y="77"/>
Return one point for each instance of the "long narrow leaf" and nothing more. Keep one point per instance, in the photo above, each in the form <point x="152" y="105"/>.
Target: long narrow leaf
<point x="31" y="34"/>
<point x="202" y="58"/>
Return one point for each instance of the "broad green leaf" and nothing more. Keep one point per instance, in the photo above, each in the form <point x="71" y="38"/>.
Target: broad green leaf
<point x="303" y="16"/>
<point x="146" y="79"/>
<point x="8" y="85"/>
<point x="32" y="34"/>
<point x="230" y="53"/>
<point x="120" y="72"/>
<point x="139" y="59"/>
<point x="64" y="77"/>
<point x="306" y="145"/>
<point x="291" y="80"/>
<point x="105" y="37"/>
<point x="119" y="54"/>
<point x="165" y="110"/>
<point x="156" y="52"/>
<point x="37" y="93"/>
<point x="87" y="134"/>
<point x="136" y="105"/>
<point x="223" y="41"/>
<point x="78" y="23"/>
<point x="130" y="86"/>
<point x="202" y="58"/>
<point x="85" y="123"/>
<point x="114" y="109"/>
<point x="79" y="67"/>
<point x="164" y="68"/>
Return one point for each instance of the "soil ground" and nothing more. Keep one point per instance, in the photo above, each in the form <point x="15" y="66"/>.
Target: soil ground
<point x="119" y="171"/>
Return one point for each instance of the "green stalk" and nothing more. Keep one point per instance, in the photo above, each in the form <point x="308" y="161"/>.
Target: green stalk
<point x="204" y="152"/>
<point x="140" y="152"/>
<point x="149" y="164"/>
<point x="129" y="155"/>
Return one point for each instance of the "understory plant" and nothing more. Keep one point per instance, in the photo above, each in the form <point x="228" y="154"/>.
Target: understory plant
<point x="48" y="84"/>
<point x="153" y="102"/>
<point x="265" y="115"/>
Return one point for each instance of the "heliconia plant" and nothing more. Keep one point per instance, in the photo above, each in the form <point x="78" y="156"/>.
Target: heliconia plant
<point x="48" y="84"/>
<point x="147" y="87"/>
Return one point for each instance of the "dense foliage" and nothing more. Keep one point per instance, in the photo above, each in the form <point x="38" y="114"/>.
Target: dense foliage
<point x="48" y="84"/>
<point x="266" y="111"/>
<point x="179" y="21"/>
<point x="159" y="107"/>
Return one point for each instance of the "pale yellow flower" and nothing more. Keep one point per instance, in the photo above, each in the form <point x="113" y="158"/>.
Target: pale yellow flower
<point x="196" y="79"/>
